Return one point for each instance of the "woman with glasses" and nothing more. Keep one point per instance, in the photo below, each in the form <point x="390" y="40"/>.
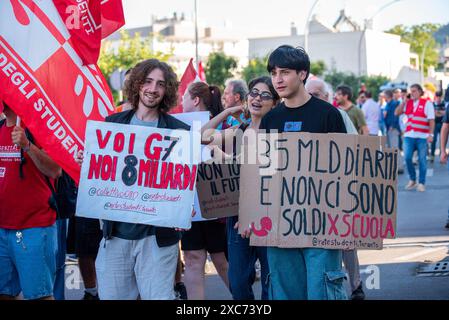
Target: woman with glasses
<point x="242" y="257"/>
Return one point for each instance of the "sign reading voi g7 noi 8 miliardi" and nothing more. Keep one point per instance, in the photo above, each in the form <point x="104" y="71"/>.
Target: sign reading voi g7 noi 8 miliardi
<point x="329" y="191"/>
<point x="139" y="174"/>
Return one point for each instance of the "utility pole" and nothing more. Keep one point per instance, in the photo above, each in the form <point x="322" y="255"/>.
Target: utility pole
<point x="197" y="60"/>
<point x="306" y="29"/>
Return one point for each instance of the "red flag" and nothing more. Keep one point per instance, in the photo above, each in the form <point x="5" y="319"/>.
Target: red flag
<point x="187" y="78"/>
<point x="44" y="81"/>
<point x="201" y="72"/>
<point x="89" y="21"/>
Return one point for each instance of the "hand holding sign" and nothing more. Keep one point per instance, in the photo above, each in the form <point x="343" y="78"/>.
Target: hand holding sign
<point x="80" y="157"/>
<point x="138" y="175"/>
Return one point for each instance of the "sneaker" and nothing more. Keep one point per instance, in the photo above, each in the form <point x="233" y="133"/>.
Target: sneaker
<point x="180" y="291"/>
<point x="358" y="293"/>
<point x="88" y="296"/>
<point x="421" y="187"/>
<point x="411" y="185"/>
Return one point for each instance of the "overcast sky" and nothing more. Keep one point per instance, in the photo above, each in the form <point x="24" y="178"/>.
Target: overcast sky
<point x="261" y="18"/>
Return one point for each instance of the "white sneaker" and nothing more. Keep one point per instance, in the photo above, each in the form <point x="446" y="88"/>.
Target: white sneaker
<point x="411" y="185"/>
<point x="421" y="188"/>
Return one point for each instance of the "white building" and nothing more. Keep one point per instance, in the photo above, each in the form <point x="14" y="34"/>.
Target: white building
<point x="344" y="47"/>
<point x="177" y="35"/>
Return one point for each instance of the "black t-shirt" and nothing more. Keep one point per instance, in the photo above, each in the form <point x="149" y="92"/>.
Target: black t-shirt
<point x="439" y="107"/>
<point x="315" y="116"/>
<point x="446" y="115"/>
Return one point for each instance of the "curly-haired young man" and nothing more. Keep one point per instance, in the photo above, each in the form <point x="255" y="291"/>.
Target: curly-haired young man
<point x="140" y="260"/>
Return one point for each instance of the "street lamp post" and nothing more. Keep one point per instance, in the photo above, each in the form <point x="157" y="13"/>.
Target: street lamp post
<point x="196" y="36"/>
<point x="426" y="45"/>
<point x="306" y="29"/>
<point x="364" y="31"/>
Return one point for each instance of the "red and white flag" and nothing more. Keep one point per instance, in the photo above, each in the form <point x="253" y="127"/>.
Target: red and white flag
<point x="43" y="80"/>
<point x="190" y="75"/>
<point x="201" y="72"/>
<point x="89" y="21"/>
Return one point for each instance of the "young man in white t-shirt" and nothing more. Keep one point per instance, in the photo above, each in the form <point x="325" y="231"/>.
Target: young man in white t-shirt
<point x="418" y="133"/>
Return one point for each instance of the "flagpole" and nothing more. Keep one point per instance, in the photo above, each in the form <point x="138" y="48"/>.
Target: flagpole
<point x="197" y="61"/>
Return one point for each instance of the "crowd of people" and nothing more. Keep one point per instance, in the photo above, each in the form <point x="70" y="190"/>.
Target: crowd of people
<point x="129" y="261"/>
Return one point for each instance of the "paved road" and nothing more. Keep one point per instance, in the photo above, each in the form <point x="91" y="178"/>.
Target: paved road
<point x="392" y="272"/>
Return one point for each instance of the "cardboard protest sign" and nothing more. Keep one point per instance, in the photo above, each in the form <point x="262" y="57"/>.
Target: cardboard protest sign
<point x="319" y="190"/>
<point x="139" y="174"/>
<point x="218" y="188"/>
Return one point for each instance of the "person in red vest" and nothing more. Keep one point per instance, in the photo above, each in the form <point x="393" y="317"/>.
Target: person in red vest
<point x="418" y="133"/>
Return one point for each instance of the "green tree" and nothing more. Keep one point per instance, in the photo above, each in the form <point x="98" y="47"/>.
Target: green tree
<point x="256" y="68"/>
<point x="129" y="52"/>
<point x="336" y="78"/>
<point x="318" y="68"/>
<point x="219" y="67"/>
<point x="421" y="40"/>
<point x="372" y="83"/>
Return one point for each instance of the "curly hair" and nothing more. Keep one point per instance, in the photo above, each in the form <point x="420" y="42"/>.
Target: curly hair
<point x="137" y="78"/>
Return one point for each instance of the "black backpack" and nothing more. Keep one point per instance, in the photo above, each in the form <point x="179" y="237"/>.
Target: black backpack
<point x="63" y="196"/>
<point x="64" y="193"/>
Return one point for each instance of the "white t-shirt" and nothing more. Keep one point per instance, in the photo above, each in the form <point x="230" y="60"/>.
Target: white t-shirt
<point x="371" y="109"/>
<point x="430" y="113"/>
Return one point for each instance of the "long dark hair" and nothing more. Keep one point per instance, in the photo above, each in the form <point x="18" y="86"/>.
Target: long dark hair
<point x="137" y="78"/>
<point x="210" y="95"/>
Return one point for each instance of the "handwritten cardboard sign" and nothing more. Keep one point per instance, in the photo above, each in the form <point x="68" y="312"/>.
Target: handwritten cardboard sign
<point x="138" y="174"/>
<point x="320" y="191"/>
<point x="218" y="188"/>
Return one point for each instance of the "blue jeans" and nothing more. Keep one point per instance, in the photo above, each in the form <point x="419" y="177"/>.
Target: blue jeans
<point x="28" y="262"/>
<point x="410" y="145"/>
<point x="58" y="291"/>
<point x="241" y="259"/>
<point x="306" y="274"/>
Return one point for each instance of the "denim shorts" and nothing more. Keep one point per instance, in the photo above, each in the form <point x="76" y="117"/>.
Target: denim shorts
<point x="28" y="262"/>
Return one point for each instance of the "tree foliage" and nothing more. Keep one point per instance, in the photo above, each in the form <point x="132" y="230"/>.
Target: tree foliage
<point x="372" y="83"/>
<point x="129" y="52"/>
<point x="318" y="68"/>
<point x="219" y="68"/>
<point x="421" y="40"/>
<point x="256" y="67"/>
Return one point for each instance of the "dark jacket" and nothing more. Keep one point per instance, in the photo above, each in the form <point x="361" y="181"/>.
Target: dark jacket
<point x="164" y="236"/>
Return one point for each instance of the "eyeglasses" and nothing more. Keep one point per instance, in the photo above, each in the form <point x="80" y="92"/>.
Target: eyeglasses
<point x="265" y="96"/>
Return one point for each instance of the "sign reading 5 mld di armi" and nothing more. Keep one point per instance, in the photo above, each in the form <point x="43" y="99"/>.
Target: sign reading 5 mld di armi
<point x="138" y="174"/>
<point x="329" y="191"/>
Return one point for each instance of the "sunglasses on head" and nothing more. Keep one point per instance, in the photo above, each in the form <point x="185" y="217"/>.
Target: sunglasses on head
<point x="263" y="95"/>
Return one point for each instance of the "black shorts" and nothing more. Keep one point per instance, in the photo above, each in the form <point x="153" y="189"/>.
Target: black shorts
<point x="86" y="235"/>
<point x="205" y="235"/>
